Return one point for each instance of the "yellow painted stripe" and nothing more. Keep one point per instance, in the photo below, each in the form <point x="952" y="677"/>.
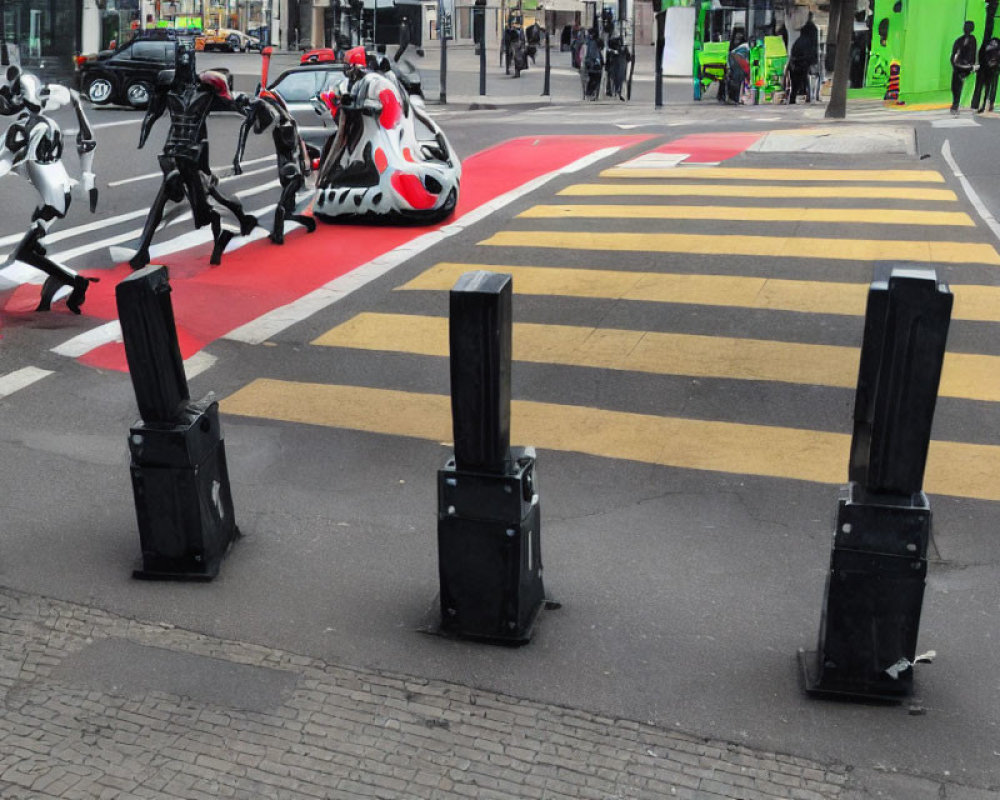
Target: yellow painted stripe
<point x="966" y="376"/>
<point x="972" y="302"/>
<point x="877" y="216"/>
<point x="765" y="174"/>
<point x="758" y="191"/>
<point x="953" y="468"/>
<point x="764" y="246"/>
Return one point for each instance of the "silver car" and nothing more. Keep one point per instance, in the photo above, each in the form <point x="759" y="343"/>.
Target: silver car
<point x="297" y="87"/>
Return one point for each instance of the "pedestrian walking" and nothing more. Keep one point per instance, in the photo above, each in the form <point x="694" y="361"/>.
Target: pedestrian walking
<point x="617" y="63"/>
<point x="592" y="65"/>
<point x="989" y="69"/>
<point x="963" y="63"/>
<point x="803" y="59"/>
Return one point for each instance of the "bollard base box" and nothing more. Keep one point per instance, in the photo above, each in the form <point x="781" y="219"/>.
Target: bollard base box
<point x="874" y="594"/>
<point x="489" y="552"/>
<point x="183" y="502"/>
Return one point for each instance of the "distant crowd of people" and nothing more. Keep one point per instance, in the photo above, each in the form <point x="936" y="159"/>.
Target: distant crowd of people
<point x="600" y="52"/>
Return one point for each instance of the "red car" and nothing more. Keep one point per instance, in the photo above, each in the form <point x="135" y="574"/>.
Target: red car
<point x="317" y="56"/>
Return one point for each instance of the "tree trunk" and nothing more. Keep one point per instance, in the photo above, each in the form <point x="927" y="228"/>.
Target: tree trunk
<point x="837" y="109"/>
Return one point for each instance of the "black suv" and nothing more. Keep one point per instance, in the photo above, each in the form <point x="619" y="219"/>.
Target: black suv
<point x="127" y="75"/>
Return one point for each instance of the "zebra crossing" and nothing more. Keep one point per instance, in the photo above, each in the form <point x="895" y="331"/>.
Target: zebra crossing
<point x="642" y="263"/>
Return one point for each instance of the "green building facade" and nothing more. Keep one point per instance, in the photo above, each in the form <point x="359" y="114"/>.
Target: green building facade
<point x="919" y="34"/>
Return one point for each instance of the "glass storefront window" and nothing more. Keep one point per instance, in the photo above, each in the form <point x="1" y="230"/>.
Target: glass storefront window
<point x="46" y="31"/>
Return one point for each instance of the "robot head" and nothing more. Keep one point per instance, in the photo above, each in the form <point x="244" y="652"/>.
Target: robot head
<point x="30" y="90"/>
<point x="184" y="68"/>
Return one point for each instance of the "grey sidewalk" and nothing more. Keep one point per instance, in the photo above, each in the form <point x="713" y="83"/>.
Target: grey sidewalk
<point x="100" y="706"/>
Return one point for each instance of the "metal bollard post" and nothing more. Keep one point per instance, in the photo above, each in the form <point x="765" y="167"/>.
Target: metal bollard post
<point x="489" y="546"/>
<point x="482" y="66"/>
<point x="180" y="481"/>
<point x="546" y="90"/>
<point x="875" y="586"/>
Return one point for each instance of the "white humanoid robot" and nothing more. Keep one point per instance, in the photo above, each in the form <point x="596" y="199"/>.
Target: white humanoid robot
<point x="32" y="147"/>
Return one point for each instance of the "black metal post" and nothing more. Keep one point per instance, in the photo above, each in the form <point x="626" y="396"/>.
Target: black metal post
<point x="489" y="548"/>
<point x="874" y="591"/>
<point x="184" y="506"/>
<point x="443" y="35"/>
<point x="546" y="90"/>
<point x="661" y="18"/>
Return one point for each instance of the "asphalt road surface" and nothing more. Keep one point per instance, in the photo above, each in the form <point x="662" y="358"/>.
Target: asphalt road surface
<point x="685" y="356"/>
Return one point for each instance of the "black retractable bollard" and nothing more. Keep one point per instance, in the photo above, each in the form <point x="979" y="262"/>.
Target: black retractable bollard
<point x="183" y="502"/>
<point x="875" y="587"/>
<point x="546" y="84"/>
<point x="489" y="546"/>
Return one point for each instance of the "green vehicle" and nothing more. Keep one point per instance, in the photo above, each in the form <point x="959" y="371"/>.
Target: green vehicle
<point x="716" y="23"/>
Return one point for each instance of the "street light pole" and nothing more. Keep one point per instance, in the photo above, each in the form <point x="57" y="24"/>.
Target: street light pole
<point x="661" y="19"/>
<point x="443" y="36"/>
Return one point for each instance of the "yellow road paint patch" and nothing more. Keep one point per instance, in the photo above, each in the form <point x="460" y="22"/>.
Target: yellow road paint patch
<point x="763" y="246"/>
<point x="972" y="302"/>
<point x="758" y="191"/>
<point x="962" y="470"/>
<point x="765" y="174"/>
<point x="966" y="376"/>
<point x="871" y="216"/>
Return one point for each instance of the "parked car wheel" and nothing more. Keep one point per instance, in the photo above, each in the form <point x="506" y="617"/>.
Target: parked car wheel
<point x="99" y="90"/>
<point x="234" y="43"/>
<point x="138" y="93"/>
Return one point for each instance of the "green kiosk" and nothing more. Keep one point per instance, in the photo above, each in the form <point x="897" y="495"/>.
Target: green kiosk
<point x="917" y="35"/>
<point x="715" y="22"/>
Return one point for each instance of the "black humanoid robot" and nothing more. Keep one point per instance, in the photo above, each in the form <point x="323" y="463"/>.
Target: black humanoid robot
<point x="189" y="98"/>
<point x="268" y="110"/>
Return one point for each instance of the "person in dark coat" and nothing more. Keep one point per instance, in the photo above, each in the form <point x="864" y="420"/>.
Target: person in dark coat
<point x="593" y="65"/>
<point x="617" y="63"/>
<point x="989" y="69"/>
<point x="804" y="55"/>
<point x="963" y="63"/>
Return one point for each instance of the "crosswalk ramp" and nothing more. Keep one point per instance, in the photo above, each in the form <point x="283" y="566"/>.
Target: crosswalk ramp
<point x="647" y="285"/>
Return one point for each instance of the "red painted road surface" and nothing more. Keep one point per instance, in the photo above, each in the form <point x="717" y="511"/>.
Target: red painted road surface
<point x="710" y="147"/>
<point x="211" y="301"/>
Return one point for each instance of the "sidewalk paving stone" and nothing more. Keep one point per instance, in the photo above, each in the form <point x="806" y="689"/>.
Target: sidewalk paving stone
<point x="77" y="721"/>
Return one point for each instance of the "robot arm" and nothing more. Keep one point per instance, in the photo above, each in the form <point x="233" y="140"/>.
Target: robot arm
<point x="157" y="105"/>
<point x="86" y="143"/>
<point x="8" y="161"/>
<point x="253" y="111"/>
<point x="14" y="149"/>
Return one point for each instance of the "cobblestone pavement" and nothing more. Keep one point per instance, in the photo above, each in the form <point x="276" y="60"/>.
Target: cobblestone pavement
<point x="85" y="715"/>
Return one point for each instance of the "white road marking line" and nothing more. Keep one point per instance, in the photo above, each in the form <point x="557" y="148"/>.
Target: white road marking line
<point x="20" y="378"/>
<point x="957" y="122"/>
<point x="89" y="340"/>
<point x="974" y="198"/>
<point x="19" y="273"/>
<point x="654" y="161"/>
<point x="149" y="175"/>
<point x="98" y="126"/>
<point x="278" y="319"/>
<point x="198" y="363"/>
